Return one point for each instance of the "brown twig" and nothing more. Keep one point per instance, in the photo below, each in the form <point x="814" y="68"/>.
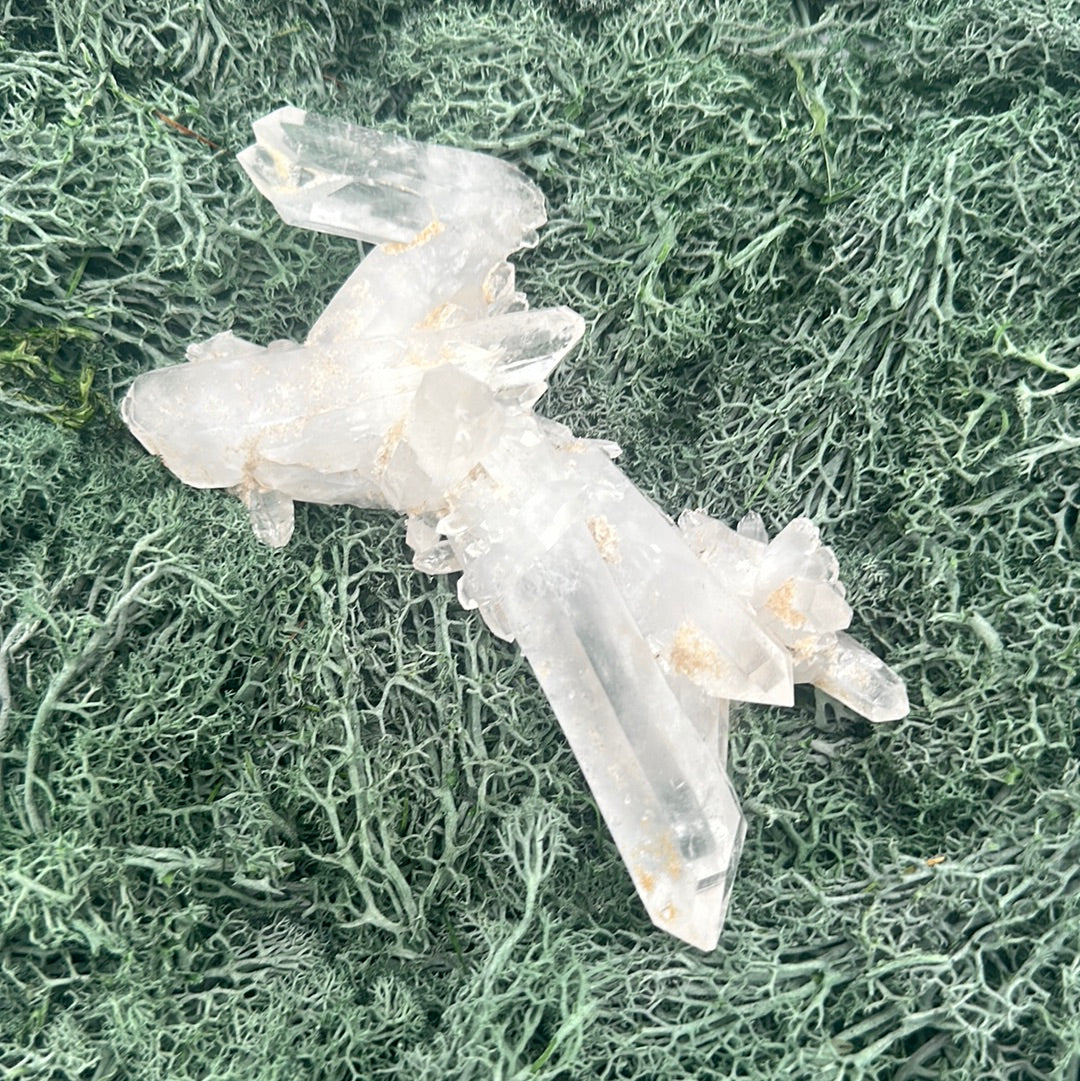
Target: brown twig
<point x="186" y="131"/>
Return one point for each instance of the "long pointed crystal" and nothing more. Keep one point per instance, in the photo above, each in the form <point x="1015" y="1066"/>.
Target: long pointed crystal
<point x="358" y="182"/>
<point x="661" y="789"/>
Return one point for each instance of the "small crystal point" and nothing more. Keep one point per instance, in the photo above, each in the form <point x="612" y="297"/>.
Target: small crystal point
<point x="271" y="514"/>
<point x="863" y="682"/>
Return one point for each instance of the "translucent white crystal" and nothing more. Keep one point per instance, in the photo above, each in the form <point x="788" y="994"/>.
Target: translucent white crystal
<point x="414" y="390"/>
<point x="793" y="585"/>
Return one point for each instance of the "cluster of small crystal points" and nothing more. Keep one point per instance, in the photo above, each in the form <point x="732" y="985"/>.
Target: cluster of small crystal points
<point x="415" y="391"/>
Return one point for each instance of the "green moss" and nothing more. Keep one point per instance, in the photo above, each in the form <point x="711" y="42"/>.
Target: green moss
<point x="296" y="814"/>
<point x="34" y="378"/>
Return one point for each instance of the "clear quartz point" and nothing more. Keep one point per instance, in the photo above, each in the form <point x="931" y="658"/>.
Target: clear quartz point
<point x="414" y="390"/>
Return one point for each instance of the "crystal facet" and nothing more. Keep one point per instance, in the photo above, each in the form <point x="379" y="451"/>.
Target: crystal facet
<point x="414" y="391"/>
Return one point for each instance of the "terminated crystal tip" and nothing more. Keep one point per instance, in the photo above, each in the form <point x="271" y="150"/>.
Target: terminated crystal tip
<point x="415" y="390"/>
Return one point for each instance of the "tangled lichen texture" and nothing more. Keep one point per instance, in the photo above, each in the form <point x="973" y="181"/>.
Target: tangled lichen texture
<point x="296" y="814"/>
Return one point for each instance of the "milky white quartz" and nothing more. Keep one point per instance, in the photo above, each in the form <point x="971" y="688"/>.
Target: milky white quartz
<point x="415" y="391"/>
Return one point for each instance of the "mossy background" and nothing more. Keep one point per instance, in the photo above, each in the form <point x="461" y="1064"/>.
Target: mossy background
<point x="297" y="815"/>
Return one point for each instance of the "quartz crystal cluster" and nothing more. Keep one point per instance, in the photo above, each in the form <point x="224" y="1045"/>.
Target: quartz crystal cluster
<point x="414" y="391"/>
